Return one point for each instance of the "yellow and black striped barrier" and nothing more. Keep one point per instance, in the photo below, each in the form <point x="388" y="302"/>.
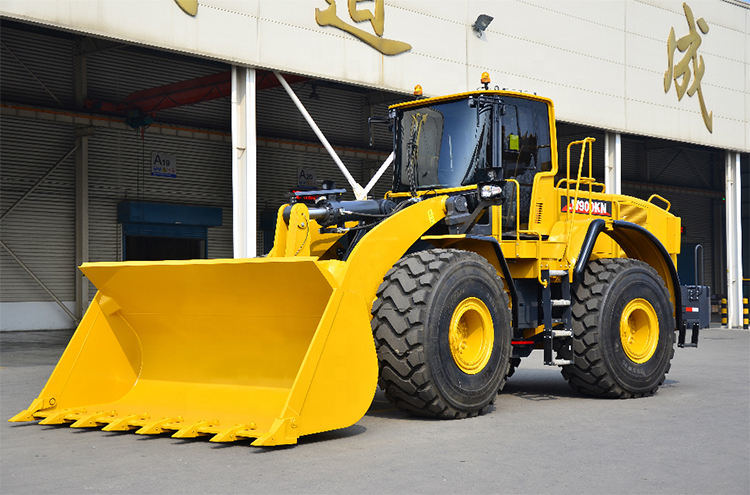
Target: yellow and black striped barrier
<point x="745" y="315"/>
<point x="723" y="311"/>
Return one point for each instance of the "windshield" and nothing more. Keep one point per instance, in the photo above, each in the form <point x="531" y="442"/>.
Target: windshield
<point x="441" y="145"/>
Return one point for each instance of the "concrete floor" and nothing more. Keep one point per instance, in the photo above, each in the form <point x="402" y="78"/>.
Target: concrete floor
<point x="693" y="436"/>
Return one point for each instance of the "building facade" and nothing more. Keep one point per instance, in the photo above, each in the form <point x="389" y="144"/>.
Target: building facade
<point x="131" y="130"/>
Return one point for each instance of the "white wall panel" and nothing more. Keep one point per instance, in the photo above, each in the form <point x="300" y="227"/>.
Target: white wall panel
<point x="566" y="27"/>
<point x="583" y="54"/>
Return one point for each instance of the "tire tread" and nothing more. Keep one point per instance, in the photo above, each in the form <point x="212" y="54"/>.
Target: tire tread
<point x="588" y="374"/>
<point x="398" y="315"/>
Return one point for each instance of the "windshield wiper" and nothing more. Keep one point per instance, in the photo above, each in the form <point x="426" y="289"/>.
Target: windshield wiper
<point x="477" y="147"/>
<point x="412" y="149"/>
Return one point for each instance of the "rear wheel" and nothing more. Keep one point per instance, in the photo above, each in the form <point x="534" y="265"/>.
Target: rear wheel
<point x="442" y="330"/>
<point x="623" y="326"/>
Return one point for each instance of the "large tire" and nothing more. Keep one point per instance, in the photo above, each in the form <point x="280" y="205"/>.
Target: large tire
<point x="623" y="326"/>
<point x="423" y="301"/>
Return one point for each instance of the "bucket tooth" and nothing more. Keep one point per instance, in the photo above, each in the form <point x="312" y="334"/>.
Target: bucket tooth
<point x="231" y="434"/>
<point x="28" y="413"/>
<point x="94" y="420"/>
<point x="159" y="426"/>
<point x="125" y="423"/>
<point x="63" y="416"/>
<point x="195" y="429"/>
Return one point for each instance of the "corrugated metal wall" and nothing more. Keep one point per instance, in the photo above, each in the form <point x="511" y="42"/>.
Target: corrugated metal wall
<point x="119" y="169"/>
<point x="567" y="133"/>
<point x="115" y="73"/>
<point x="40" y="230"/>
<point x="35" y="59"/>
<point x="694" y="170"/>
<point x="339" y="114"/>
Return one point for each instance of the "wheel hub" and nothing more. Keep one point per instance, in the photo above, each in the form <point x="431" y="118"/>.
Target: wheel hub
<point x="471" y="335"/>
<point x="639" y="330"/>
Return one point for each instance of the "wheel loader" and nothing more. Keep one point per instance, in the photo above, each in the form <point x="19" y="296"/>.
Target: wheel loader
<point x="485" y="249"/>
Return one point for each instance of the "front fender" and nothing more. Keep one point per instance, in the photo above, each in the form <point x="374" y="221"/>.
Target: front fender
<point x="385" y="244"/>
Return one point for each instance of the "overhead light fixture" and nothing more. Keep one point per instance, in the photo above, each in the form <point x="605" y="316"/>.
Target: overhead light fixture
<point x="481" y="24"/>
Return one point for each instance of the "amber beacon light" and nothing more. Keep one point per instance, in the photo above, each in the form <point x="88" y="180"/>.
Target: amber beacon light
<point x="418" y="90"/>
<point x="485" y="79"/>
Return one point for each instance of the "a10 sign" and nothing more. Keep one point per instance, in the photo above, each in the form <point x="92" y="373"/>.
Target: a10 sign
<point x="163" y="165"/>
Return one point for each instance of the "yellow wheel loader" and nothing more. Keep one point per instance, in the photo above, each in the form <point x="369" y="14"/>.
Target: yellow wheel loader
<point x="483" y="250"/>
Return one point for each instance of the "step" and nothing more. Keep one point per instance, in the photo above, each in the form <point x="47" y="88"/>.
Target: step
<point x="562" y="333"/>
<point x="558" y="273"/>
<point x="561" y="362"/>
<point x="560" y="302"/>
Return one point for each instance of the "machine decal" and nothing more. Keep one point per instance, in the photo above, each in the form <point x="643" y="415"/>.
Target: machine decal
<point x="596" y="207"/>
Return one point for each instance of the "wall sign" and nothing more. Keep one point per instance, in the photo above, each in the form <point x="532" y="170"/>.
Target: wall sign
<point x="680" y="72"/>
<point x="328" y="17"/>
<point x="163" y="165"/>
<point x="306" y="177"/>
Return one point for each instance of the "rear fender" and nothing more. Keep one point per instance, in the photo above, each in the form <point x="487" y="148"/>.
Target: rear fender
<point x="640" y="244"/>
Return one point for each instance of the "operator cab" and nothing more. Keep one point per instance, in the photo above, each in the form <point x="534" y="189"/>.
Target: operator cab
<point x="473" y="138"/>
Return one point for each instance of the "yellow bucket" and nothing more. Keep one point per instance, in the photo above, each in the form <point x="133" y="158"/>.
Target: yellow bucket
<point x="270" y="349"/>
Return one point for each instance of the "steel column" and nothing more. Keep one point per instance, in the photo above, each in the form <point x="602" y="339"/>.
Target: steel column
<point x="613" y="162"/>
<point x="734" y="239"/>
<point x="82" y="184"/>
<point x="82" y="220"/>
<point x="244" y="162"/>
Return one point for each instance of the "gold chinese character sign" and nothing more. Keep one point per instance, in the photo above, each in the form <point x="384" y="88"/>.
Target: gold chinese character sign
<point x="680" y="72"/>
<point x="190" y="7"/>
<point x="328" y="17"/>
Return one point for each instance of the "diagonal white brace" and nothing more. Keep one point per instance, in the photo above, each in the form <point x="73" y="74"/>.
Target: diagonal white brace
<point x="376" y="177"/>
<point x="359" y="193"/>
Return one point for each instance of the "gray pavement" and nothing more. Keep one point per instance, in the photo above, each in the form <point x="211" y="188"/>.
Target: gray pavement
<point x="693" y="436"/>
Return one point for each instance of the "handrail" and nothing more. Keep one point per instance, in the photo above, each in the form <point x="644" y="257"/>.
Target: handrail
<point x="583" y="143"/>
<point x="661" y="198"/>
<point x="584" y="180"/>
<point x="577" y="181"/>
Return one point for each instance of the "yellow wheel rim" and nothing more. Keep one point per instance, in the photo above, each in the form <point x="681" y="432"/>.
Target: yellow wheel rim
<point x="471" y="335"/>
<point x="639" y="330"/>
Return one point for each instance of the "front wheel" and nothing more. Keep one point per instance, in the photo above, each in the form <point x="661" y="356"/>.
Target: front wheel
<point x="442" y="330"/>
<point x="623" y="330"/>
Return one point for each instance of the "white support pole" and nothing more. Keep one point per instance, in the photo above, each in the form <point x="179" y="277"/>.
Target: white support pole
<point x="379" y="173"/>
<point x="733" y="203"/>
<point x="613" y="162"/>
<point x="356" y="188"/>
<point x="244" y="162"/>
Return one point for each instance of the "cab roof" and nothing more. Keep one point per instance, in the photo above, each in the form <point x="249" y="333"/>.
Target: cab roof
<point x="458" y="96"/>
